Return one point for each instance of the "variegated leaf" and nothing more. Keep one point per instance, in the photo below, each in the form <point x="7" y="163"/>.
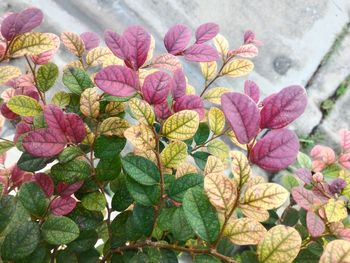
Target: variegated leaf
<point x="142" y="111"/>
<point x="181" y="125"/>
<point x="141" y="136"/>
<point x="89" y="103"/>
<point x="240" y="167"/>
<point x="114" y="126"/>
<point x="216" y="120"/>
<point x="173" y="154"/>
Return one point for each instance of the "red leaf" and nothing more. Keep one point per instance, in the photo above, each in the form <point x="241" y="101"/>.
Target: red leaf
<point x="190" y="102"/>
<point x="65" y="190"/>
<point x="75" y="128"/>
<point x="201" y="53"/>
<point x="283" y="108"/>
<point x="7" y="113"/>
<point x="28" y="19"/>
<point x="90" y="39"/>
<point x="252" y="90"/>
<point x="205" y="32"/>
<point x="344" y="136"/>
<point x="8" y="26"/>
<point x="21" y="128"/>
<point x="156" y="87"/>
<point x="245" y="51"/>
<point x="18" y="176"/>
<point x="117" y="44"/>
<point x="179" y="84"/>
<point x="276" y="150"/>
<point x="305" y="198"/>
<point x="242" y="114"/>
<point x="54" y="117"/>
<point x="314" y="224"/>
<point x="44" y="142"/>
<point x="162" y="110"/>
<point x="62" y="205"/>
<point x="45" y="182"/>
<point x="117" y="81"/>
<point x="177" y="38"/>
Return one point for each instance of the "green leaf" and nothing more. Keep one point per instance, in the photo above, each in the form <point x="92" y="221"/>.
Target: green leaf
<point x="61" y="99"/>
<point x="71" y="172"/>
<point x="109" y="147"/>
<point x="7" y="210"/>
<point x="76" y="80"/>
<point x="290" y="217"/>
<point x="141" y="169"/>
<point x="40" y="255"/>
<point x="289" y="182"/>
<point x="202" y="133"/>
<point x="66" y="255"/>
<point x="84" y="218"/>
<point x="5" y="146"/>
<point x="59" y="230"/>
<point x="119" y="229"/>
<point x="201" y="215"/>
<point x="178" y="189"/>
<point x="70" y="153"/>
<point x="39" y="121"/>
<point x="21" y="241"/>
<point x="46" y="76"/>
<point x="33" y="199"/>
<point x="24" y="106"/>
<point x="90" y="256"/>
<point x="31" y="163"/>
<point x="86" y="240"/>
<point x="121" y="199"/>
<point x="203" y="258"/>
<point x="200" y="159"/>
<point x="142" y="219"/>
<point x="108" y="169"/>
<point x="143" y="194"/>
<point x="95" y="201"/>
<point x="332" y="171"/>
<point x="304" y="161"/>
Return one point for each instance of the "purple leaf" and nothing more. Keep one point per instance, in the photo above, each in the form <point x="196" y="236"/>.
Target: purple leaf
<point x="7" y="113"/>
<point x="162" y="110"/>
<point x="65" y="190"/>
<point x="117" y="81"/>
<point x="139" y="43"/>
<point x="314" y="224"/>
<point x="304" y="175"/>
<point x="55" y="118"/>
<point x="45" y="182"/>
<point x="283" y="108"/>
<point x="242" y="114"/>
<point x="44" y="142"/>
<point x="8" y="26"/>
<point x="21" y="128"/>
<point x="206" y="32"/>
<point x="28" y="19"/>
<point x="252" y="90"/>
<point x="305" y="198"/>
<point x="19" y="176"/>
<point x="75" y="128"/>
<point x="276" y="150"/>
<point x="177" y="38"/>
<point x="190" y="102"/>
<point x="62" y="205"/>
<point x="337" y="185"/>
<point x="201" y="53"/>
<point x="90" y="39"/>
<point x="117" y="44"/>
<point x="179" y="84"/>
<point x="156" y="87"/>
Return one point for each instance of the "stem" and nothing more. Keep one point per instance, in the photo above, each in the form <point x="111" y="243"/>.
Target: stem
<point x="8" y="44"/>
<point x="35" y="80"/>
<point x="211" y="139"/>
<point x="3" y="139"/>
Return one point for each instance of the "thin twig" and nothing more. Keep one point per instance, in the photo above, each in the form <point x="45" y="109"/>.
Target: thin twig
<point x="35" y="80"/>
<point x="211" y="139"/>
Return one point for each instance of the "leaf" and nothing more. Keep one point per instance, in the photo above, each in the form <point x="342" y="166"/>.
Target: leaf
<point x="117" y="44"/>
<point x="71" y="172"/>
<point x="190" y="102"/>
<point x="208" y="69"/>
<point x="108" y="169"/>
<point x="94" y="201"/>
<point x="214" y="166"/>
<point x="265" y="195"/>
<point x="33" y="199"/>
<point x="62" y="205"/>
<point x="216" y="120"/>
<point x="280" y="244"/>
<point x="221" y="45"/>
<point x="245" y="51"/>
<point x="256" y="213"/>
<point x="252" y="90"/>
<point x="336" y="251"/>
<point x="344" y="136"/>
<point x="45" y="182"/>
<point x="114" y="126"/>
<point x="121" y="199"/>
<point x="219" y="149"/>
<point x="84" y="243"/>
<point x="76" y="80"/>
<point x="244" y="231"/>
<point x="69" y="154"/>
<point x="306" y="198"/>
<point x="242" y="114"/>
<point x="206" y="32"/>
<point x="117" y="80"/>
<point x="31" y="163"/>
<point x="178" y="188"/>
<point x="98" y="55"/>
<point x="173" y="154"/>
<point x="21" y="241"/>
<point x="141" y="169"/>
<point x="5" y="146"/>
<point x="73" y="43"/>
<point x="142" y="111"/>
<point x="24" y="106"/>
<point x="201" y="215"/>
<point x="66" y="190"/>
<point x="143" y="194"/>
<point x="141" y="136"/>
<point x="108" y="147"/>
<point x="59" y="230"/>
<point x="89" y="103"/>
<point x="315" y="225"/>
<point x="32" y="43"/>
<point x="46" y="76"/>
<point x="8" y="73"/>
<point x="335" y="210"/>
<point x="240" y="167"/>
<point x="200" y="159"/>
<point x="276" y="150"/>
<point x="90" y="39"/>
<point x="238" y="68"/>
<point x="167" y="62"/>
<point x="61" y="99"/>
<point x="201" y="53"/>
<point x="221" y="191"/>
<point x="156" y="87"/>
<point x="182" y="125"/>
<point x="177" y="38"/>
<point x="214" y="95"/>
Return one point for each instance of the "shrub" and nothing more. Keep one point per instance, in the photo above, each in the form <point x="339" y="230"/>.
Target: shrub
<point x="131" y="158"/>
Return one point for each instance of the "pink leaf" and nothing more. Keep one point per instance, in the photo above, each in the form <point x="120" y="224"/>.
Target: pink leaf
<point x="75" y="128"/>
<point x="206" y="31"/>
<point x="28" y="19"/>
<point x="283" y="108"/>
<point x="8" y="26"/>
<point x="190" y="102"/>
<point x="117" y="81"/>
<point x="21" y="128"/>
<point x="201" y="53"/>
<point x="139" y="43"/>
<point x="162" y="110"/>
<point x="44" y="142"/>
<point x="65" y="190"/>
<point x="62" y="205"/>
<point x="322" y="156"/>
<point x="44" y="57"/>
<point x="7" y="113"/>
<point x="252" y="90"/>
<point x="249" y="37"/>
<point x="245" y="51"/>
<point x="177" y="38"/>
<point x="305" y="198"/>
<point x="28" y="91"/>
<point x="55" y="118"/>
<point x="45" y="182"/>
<point x="179" y="84"/>
<point x="314" y="224"/>
<point x="18" y="176"/>
<point x="343" y="234"/>
<point x="276" y="150"/>
<point x="90" y="39"/>
<point x="156" y="87"/>
<point x="344" y="136"/>
<point x="167" y="62"/>
<point x="304" y="175"/>
<point x="242" y="114"/>
<point x="117" y="44"/>
<point x="344" y="160"/>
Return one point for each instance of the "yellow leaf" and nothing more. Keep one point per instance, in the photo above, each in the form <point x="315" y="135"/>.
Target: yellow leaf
<point x="221" y="44"/>
<point x="74" y="64"/>
<point x="182" y="125"/>
<point x="147" y="153"/>
<point x="32" y="43"/>
<point x="345" y="175"/>
<point x="111" y="60"/>
<point x="221" y="191"/>
<point x="214" y="165"/>
<point x="255" y="213"/>
<point x="232" y="136"/>
<point x="238" y="68"/>
<point x="280" y="244"/>
<point x="185" y="168"/>
<point x="89" y="103"/>
<point x="254" y="180"/>
<point x="24" y="106"/>
<point x="190" y="90"/>
<point x="219" y="149"/>
<point x="173" y="154"/>
<point x="97" y="55"/>
<point x="240" y="167"/>
<point x="61" y="99"/>
<point x="73" y="43"/>
<point x="336" y="251"/>
<point x="214" y="94"/>
<point x="142" y="111"/>
<point x="244" y="231"/>
<point x="113" y="126"/>
<point x="216" y="120"/>
<point x="335" y="210"/>
<point x="141" y="136"/>
<point x="9" y="72"/>
<point x="90" y="136"/>
<point x="209" y="69"/>
<point x="115" y="107"/>
<point x="266" y="196"/>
